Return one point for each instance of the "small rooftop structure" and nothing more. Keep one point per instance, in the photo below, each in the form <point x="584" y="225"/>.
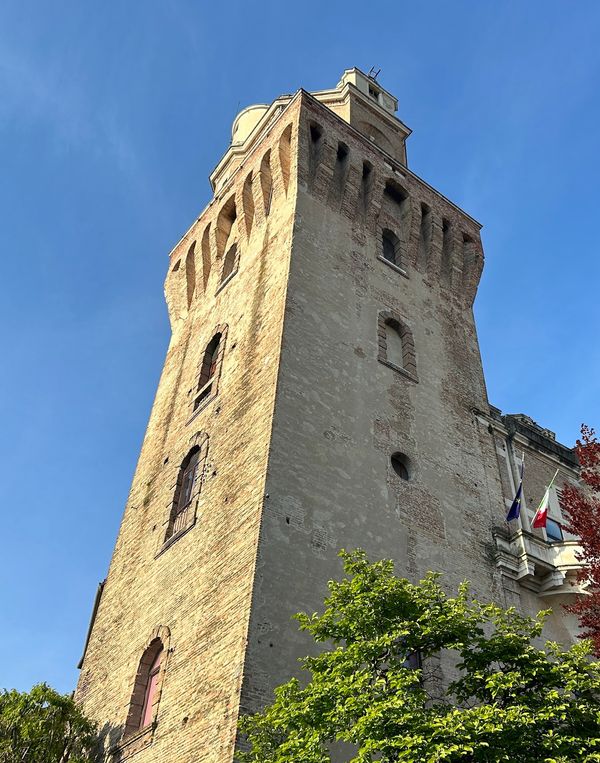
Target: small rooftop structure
<point x="357" y="98"/>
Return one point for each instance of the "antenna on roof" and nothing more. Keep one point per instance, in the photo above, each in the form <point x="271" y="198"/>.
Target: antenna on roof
<point x="374" y="73"/>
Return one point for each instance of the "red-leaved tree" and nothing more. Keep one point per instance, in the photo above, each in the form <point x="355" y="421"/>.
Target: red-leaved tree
<point x="582" y="507"/>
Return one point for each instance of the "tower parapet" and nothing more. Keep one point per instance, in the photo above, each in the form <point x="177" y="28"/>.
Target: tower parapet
<point x="364" y="177"/>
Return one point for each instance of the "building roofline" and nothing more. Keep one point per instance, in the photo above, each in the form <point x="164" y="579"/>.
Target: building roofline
<point x="396" y="165"/>
<point x="284" y="108"/>
<point x="284" y="102"/>
<point x="517" y="425"/>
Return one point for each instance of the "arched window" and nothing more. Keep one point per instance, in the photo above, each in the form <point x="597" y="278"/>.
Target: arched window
<point x="447" y="252"/>
<point x="248" y="204"/>
<point x="400" y="464"/>
<point x="376" y="136"/>
<point x="226" y="226"/>
<point x="210" y="367"/>
<point x="206" y="256"/>
<point x="185" y="492"/>
<point x="285" y="147"/>
<point x="190" y="273"/>
<point x="151" y="686"/>
<point x="229" y="263"/>
<point x="187" y="481"/>
<point x="391" y="247"/>
<point x="146" y="689"/>
<point x="425" y="233"/>
<point x="209" y="363"/>
<point x="395" y="344"/>
<point x="266" y="182"/>
<point x="315" y="152"/>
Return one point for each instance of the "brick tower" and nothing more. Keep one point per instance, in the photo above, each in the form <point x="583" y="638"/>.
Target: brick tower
<point x="323" y="388"/>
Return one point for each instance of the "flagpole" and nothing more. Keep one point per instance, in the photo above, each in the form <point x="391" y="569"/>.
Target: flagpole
<point x="515" y="508"/>
<point x="521" y="519"/>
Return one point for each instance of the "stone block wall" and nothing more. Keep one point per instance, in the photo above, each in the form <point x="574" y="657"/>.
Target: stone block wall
<point x="197" y="585"/>
<point x="341" y="412"/>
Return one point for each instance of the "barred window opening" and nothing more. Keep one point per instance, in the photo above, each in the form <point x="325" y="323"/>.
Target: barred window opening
<point x="188" y="487"/>
<point x="187" y="482"/>
<point x="208" y="369"/>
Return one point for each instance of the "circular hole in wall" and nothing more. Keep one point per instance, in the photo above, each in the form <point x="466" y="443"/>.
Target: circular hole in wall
<point x="401" y="464"/>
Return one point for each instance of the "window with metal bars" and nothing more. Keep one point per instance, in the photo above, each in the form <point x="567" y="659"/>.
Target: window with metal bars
<point x="189" y="483"/>
<point x="208" y="370"/>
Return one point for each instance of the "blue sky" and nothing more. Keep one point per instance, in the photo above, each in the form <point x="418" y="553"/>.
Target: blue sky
<point x="111" y="117"/>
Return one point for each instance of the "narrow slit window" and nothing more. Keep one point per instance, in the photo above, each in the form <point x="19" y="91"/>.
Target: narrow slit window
<point x="315" y="133"/>
<point x="424" y="237"/>
<point x="266" y="182"/>
<point x="190" y="273"/>
<point x="365" y="185"/>
<point x="315" y="148"/>
<point x="226" y="226"/>
<point x="285" y="147"/>
<point x="446" y="267"/>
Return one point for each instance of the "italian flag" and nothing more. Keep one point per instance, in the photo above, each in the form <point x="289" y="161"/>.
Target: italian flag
<point x="541" y="515"/>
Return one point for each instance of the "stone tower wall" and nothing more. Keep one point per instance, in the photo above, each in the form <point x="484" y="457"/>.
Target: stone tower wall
<point x="196" y="588"/>
<point x="342" y="410"/>
<point x="313" y="396"/>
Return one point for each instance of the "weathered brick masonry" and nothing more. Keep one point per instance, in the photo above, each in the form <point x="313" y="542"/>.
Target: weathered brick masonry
<point x="339" y="287"/>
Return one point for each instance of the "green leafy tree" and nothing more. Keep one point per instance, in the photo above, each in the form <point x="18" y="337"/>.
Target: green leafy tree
<point x="509" y="700"/>
<point x="42" y="726"/>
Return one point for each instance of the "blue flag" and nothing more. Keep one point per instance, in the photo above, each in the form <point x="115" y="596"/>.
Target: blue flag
<point x="515" y="508"/>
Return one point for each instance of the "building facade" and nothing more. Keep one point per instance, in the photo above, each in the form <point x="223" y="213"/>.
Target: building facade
<point x="323" y="389"/>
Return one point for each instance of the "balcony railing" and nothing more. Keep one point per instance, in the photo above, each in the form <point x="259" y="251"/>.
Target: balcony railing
<point x="549" y="569"/>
